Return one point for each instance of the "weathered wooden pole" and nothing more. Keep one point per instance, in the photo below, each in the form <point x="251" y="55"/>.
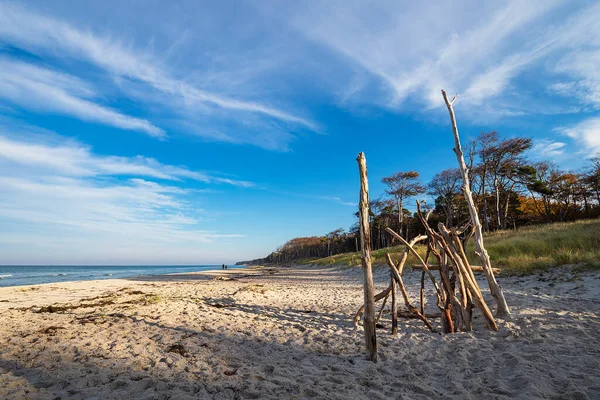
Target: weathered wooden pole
<point x="365" y="245"/>
<point x="502" y="310"/>
<point x="394" y="306"/>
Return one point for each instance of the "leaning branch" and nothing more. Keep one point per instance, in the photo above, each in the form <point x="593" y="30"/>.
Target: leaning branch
<point x="495" y="289"/>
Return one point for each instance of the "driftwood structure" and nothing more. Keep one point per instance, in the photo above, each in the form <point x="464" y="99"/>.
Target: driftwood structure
<point x="365" y="245"/>
<point x="457" y="292"/>
<point x="495" y="289"/>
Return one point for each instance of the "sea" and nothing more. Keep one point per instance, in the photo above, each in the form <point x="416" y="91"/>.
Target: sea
<point x="17" y="275"/>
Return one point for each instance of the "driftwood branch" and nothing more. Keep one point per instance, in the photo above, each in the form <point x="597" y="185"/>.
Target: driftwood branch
<point x="382" y="307"/>
<point x="381" y="295"/>
<point x="365" y="244"/>
<point x="399" y="266"/>
<point x="407" y="302"/>
<point x="433" y="267"/>
<point x="405" y="314"/>
<point x="495" y="289"/>
<point x="448" y="289"/>
<point x="456" y="254"/>
<point x="394" y="305"/>
<point x="411" y="248"/>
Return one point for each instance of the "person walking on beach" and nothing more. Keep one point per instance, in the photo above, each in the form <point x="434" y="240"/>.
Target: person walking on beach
<point x="223" y="266"/>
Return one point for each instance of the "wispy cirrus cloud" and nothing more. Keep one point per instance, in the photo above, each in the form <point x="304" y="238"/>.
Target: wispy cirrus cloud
<point x="337" y="200"/>
<point x="582" y="67"/>
<point x="416" y="50"/>
<point x="49" y="91"/>
<point x="481" y="51"/>
<point x="76" y="160"/>
<point x="149" y="79"/>
<point x="545" y="148"/>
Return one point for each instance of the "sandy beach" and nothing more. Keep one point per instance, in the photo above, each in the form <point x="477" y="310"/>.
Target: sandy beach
<point x="287" y="333"/>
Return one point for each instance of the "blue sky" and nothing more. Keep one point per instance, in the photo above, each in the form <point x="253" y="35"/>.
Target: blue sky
<point x="187" y="132"/>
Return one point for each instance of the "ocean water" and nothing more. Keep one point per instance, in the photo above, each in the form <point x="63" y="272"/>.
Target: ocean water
<point x="32" y="275"/>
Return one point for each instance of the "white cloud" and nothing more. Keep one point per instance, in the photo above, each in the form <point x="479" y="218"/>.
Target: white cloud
<point x="545" y="148"/>
<point x="45" y="90"/>
<point x="60" y="197"/>
<point x="490" y="53"/>
<point x="75" y="160"/>
<point x="417" y="50"/>
<point x="582" y="66"/>
<point x="99" y="215"/>
<point x="586" y="134"/>
<point x="43" y="34"/>
<point x="338" y="200"/>
<point x="495" y="80"/>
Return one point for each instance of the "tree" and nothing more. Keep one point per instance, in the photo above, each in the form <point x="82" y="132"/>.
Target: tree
<point x="538" y="180"/>
<point x="583" y="193"/>
<point x="593" y="178"/>
<point x="506" y="158"/>
<point x="445" y="187"/>
<point x="565" y="192"/>
<point x="487" y="143"/>
<point x="333" y="238"/>
<point x="402" y="186"/>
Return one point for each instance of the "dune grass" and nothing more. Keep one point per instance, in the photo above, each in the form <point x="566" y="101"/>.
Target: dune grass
<point x="539" y="247"/>
<point x="519" y="252"/>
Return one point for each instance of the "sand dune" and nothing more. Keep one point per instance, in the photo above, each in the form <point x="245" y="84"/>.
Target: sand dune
<point x="288" y="334"/>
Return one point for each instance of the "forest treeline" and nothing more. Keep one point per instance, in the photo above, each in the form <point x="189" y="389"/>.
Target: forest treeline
<point x="510" y="190"/>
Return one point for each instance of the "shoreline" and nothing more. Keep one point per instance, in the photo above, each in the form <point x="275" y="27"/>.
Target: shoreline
<point x="110" y="276"/>
<point x="65" y="291"/>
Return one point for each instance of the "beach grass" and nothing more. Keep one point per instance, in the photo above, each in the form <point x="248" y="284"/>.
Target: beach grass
<point x="535" y="248"/>
<point x="517" y="252"/>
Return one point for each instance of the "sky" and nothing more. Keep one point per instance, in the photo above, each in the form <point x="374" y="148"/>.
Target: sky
<point x="187" y="132"/>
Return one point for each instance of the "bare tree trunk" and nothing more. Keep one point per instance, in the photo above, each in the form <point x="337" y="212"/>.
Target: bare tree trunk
<point x="486" y="219"/>
<point x="502" y="307"/>
<point x="497" y="194"/>
<point x="506" y="206"/>
<point x="400" y="218"/>
<point x="547" y="208"/>
<point x="365" y="244"/>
